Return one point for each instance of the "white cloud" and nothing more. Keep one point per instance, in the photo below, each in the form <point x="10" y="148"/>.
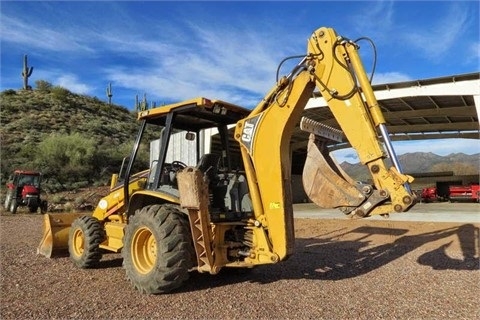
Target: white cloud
<point x="181" y="61"/>
<point x="474" y="50"/>
<point x="346" y="155"/>
<point x="72" y="83"/>
<point x="206" y="66"/>
<point x="68" y="81"/>
<point x="390" y="77"/>
<point x="442" y="36"/>
<point x="178" y="56"/>
<point x="162" y="88"/>
<point x="36" y="36"/>
<point x="374" y="14"/>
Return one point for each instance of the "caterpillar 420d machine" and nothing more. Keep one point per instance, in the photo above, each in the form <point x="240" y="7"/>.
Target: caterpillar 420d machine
<point x="228" y="212"/>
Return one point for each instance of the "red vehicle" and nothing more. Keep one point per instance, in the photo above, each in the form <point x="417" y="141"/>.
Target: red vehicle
<point x="23" y="189"/>
<point x="455" y="193"/>
<point x="429" y="194"/>
<point x="471" y="192"/>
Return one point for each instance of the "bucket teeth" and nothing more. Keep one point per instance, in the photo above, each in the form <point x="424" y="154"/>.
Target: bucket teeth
<point x="320" y="129"/>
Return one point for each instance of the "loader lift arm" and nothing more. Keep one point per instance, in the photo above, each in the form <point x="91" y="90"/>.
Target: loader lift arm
<point x="332" y="65"/>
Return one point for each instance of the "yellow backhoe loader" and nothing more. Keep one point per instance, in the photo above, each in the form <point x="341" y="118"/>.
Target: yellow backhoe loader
<point x="225" y="211"/>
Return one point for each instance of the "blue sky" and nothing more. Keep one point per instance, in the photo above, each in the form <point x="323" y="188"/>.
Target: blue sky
<point x="173" y="51"/>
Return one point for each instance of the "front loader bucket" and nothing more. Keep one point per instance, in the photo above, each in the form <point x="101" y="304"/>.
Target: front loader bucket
<point x="325" y="183"/>
<point x="55" y="233"/>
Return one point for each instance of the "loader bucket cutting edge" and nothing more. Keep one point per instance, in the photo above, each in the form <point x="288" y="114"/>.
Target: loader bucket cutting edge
<point x="56" y="228"/>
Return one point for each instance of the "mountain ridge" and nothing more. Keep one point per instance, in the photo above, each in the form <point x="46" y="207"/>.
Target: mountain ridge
<point x="423" y="162"/>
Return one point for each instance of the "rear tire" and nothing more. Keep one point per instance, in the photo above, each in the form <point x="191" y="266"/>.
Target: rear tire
<point x="158" y="249"/>
<point x="86" y="234"/>
<point x="13" y="206"/>
<point x="8" y="200"/>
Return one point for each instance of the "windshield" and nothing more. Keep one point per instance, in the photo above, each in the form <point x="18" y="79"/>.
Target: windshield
<point x="29" y="180"/>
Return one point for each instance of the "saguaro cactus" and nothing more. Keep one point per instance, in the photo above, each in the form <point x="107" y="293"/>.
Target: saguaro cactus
<point x="109" y="93"/>
<point x="144" y="103"/>
<point x="137" y="104"/>
<point x="26" y="73"/>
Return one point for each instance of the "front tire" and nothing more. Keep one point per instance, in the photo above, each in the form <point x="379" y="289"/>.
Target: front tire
<point x="158" y="249"/>
<point x="86" y="234"/>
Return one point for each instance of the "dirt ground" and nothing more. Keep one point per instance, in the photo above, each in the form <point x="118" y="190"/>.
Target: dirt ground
<point x="341" y="269"/>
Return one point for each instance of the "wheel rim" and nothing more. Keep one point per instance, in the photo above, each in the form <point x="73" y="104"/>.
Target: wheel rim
<point x="78" y="242"/>
<point x="144" y="250"/>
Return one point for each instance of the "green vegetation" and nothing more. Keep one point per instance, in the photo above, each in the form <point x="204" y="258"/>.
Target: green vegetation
<point x="74" y="140"/>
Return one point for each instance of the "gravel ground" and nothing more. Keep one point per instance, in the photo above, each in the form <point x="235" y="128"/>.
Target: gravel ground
<point x="342" y="269"/>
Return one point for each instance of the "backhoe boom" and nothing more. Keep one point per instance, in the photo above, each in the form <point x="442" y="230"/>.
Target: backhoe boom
<point x="332" y="65"/>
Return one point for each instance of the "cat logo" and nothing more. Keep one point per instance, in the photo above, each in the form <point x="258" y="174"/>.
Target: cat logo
<point x="248" y="132"/>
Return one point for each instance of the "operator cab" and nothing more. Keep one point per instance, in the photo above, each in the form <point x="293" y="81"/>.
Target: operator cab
<point x="22" y="178"/>
<point x="178" y="136"/>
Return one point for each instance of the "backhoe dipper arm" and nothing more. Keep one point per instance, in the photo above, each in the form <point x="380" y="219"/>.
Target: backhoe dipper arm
<point x="334" y="67"/>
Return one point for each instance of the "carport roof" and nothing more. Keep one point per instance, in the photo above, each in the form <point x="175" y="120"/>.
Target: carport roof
<point x="438" y="108"/>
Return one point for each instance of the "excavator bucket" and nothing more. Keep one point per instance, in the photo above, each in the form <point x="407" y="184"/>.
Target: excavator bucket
<point x="55" y="234"/>
<point x="325" y="183"/>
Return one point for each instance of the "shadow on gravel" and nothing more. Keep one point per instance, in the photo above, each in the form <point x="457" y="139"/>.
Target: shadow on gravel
<point x="226" y="276"/>
<point x="112" y="263"/>
<point x="346" y="253"/>
<point x="333" y="257"/>
<point x="469" y="238"/>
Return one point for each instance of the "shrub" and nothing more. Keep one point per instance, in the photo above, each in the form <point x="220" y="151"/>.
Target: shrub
<point x="68" y="207"/>
<point x="43" y="86"/>
<point x="60" y="93"/>
<point x="66" y="158"/>
<point x="78" y="201"/>
<point x="9" y="92"/>
<point x="80" y="184"/>
<point x="57" y="199"/>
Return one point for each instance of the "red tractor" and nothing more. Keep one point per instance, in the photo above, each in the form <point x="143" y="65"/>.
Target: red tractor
<point x="23" y="189"/>
<point x="429" y="194"/>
